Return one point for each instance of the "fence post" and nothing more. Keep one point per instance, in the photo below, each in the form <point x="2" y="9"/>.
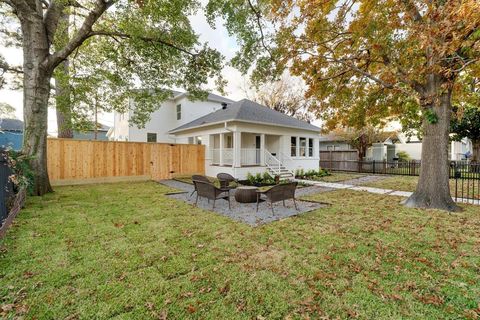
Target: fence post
<point x="3" y="185"/>
<point x="373" y="166"/>
<point x="331" y="160"/>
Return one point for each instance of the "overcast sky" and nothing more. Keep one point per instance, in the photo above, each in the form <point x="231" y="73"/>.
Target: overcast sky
<point x="218" y="39"/>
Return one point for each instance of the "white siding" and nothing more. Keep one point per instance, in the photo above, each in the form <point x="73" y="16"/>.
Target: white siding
<point x="414" y="150"/>
<point x="163" y="120"/>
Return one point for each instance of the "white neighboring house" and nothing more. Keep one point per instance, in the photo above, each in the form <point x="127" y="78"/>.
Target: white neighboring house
<point x="240" y="137"/>
<point x="174" y="112"/>
<point x="392" y="143"/>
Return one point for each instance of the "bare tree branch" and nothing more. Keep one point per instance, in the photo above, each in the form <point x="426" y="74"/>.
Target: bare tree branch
<point x="7" y="68"/>
<point x="262" y="36"/>
<point x="146" y="39"/>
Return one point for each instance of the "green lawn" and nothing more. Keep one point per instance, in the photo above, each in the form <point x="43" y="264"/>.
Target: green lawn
<point x="126" y="251"/>
<point x="338" y="176"/>
<point x="409" y="183"/>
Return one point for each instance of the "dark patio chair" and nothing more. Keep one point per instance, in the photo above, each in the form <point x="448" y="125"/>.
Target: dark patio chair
<point x="197" y="177"/>
<point x="225" y="179"/>
<point x="280" y="192"/>
<point x="209" y="191"/>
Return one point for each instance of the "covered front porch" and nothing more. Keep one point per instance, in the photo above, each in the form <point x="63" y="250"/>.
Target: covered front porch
<point x="243" y="149"/>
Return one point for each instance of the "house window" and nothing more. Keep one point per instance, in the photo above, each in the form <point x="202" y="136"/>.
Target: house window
<point x="191" y="140"/>
<point x="151" y="137"/>
<point x="303" y="146"/>
<point x="293" y="146"/>
<point x="179" y="111"/>
<point x="310" y="147"/>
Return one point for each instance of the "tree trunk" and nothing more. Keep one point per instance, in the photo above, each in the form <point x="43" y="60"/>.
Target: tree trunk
<point x="62" y="83"/>
<point x="476" y="150"/>
<point x="63" y="101"/>
<point x="36" y="90"/>
<point x="433" y="189"/>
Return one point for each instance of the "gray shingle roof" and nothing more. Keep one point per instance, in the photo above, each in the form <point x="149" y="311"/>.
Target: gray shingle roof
<point x="11" y="125"/>
<point x="248" y="111"/>
<point x="211" y="97"/>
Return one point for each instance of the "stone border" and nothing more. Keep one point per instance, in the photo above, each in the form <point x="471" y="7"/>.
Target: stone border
<point x="18" y="204"/>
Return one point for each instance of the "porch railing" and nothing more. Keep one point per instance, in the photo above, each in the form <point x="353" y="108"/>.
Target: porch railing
<point x="286" y="160"/>
<point x="250" y="157"/>
<point x="227" y="156"/>
<point x="274" y="164"/>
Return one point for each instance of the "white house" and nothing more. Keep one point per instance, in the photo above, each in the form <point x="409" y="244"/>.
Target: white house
<point x="174" y="112"/>
<point x="240" y="137"/>
<point x="391" y="144"/>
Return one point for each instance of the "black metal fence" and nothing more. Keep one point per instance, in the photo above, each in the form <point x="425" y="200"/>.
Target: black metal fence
<point x="6" y="191"/>
<point x="404" y="168"/>
<point x="465" y="183"/>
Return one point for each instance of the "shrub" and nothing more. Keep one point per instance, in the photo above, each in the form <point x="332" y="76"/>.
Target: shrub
<point x="22" y="176"/>
<point x="403" y="156"/>
<point x="323" y="173"/>
<point x="300" y="173"/>
<point x="250" y="178"/>
<point x="267" y="178"/>
<point x="311" y="173"/>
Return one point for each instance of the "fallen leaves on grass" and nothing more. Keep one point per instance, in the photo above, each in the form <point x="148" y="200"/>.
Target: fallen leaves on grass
<point x="430" y="299"/>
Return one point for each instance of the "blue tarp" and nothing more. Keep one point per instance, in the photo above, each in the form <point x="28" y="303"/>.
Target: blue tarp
<point x="11" y="139"/>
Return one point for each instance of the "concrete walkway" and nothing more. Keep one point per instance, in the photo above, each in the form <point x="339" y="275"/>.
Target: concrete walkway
<point x="389" y="192"/>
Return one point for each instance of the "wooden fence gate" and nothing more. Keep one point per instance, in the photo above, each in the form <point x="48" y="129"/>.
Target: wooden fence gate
<point x="86" y="161"/>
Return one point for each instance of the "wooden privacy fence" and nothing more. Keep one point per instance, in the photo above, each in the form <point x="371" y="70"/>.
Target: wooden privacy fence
<point x="337" y="159"/>
<point x="86" y="161"/>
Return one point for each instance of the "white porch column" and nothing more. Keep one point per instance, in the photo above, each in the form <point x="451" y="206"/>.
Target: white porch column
<point x="316" y="148"/>
<point x="237" y="149"/>
<point x="262" y="149"/>
<point x="221" y="149"/>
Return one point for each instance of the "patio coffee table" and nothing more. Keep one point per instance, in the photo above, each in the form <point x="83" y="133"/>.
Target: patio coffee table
<point x="246" y="194"/>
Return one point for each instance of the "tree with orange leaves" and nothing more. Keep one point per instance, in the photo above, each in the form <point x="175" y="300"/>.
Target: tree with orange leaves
<point x="409" y="51"/>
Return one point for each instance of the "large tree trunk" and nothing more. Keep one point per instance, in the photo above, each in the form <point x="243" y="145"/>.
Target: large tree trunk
<point x="63" y="101"/>
<point x="62" y="84"/>
<point x="476" y="150"/>
<point x="36" y="90"/>
<point x="433" y="189"/>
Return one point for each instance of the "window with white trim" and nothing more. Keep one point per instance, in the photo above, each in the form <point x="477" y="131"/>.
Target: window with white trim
<point x="179" y="111"/>
<point x="293" y="146"/>
<point x="151" y="137"/>
<point x="303" y="146"/>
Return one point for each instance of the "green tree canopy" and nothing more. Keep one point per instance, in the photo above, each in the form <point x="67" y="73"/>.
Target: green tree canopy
<point x="117" y="49"/>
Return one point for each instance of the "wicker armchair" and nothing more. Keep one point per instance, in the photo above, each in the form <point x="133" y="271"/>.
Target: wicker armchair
<point x="209" y="191"/>
<point x="225" y="179"/>
<point x="198" y="177"/>
<point x="280" y="192"/>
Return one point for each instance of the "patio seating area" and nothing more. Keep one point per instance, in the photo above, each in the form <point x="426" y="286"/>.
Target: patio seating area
<point x="247" y="212"/>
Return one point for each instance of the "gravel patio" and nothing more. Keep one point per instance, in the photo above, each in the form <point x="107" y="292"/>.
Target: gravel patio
<point x="246" y="212"/>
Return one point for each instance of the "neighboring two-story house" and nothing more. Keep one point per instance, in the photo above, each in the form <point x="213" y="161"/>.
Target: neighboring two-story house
<point x="176" y="111"/>
<point x="240" y="137"/>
